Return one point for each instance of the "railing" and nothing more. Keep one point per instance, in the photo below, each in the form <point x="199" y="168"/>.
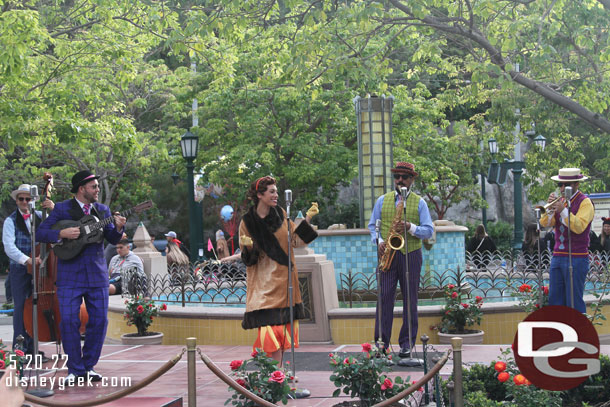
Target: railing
<point x="491" y="275"/>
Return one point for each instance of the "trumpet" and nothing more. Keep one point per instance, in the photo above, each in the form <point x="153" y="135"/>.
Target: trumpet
<point x="545" y="208"/>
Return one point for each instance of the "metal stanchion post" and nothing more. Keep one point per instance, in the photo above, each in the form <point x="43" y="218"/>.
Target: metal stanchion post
<point x="191" y="344"/>
<point x="437" y="384"/>
<point x="450" y="388"/>
<point x="424" y="339"/>
<point x="458" y="391"/>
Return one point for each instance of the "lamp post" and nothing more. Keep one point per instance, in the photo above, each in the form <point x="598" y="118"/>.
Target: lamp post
<point x="497" y="175"/>
<point x="190" y="144"/>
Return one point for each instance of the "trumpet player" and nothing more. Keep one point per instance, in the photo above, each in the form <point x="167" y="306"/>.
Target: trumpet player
<point x="419" y="226"/>
<point x="580" y="217"/>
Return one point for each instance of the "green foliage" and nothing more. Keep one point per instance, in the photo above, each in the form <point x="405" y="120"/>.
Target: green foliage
<point x="529" y="298"/>
<point x="592" y="391"/>
<point x="502" y="234"/>
<point x="268" y="382"/>
<point x="479" y="398"/>
<point x="459" y="312"/>
<point x="362" y="376"/>
<point x="347" y="214"/>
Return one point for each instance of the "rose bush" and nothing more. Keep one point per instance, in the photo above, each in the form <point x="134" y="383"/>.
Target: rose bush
<point x="140" y="312"/>
<point x="362" y="376"/>
<point x="460" y="311"/>
<point x="529" y="297"/>
<point x="269" y="381"/>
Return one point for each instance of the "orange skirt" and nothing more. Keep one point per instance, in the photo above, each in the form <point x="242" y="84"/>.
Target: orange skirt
<point x="272" y="338"/>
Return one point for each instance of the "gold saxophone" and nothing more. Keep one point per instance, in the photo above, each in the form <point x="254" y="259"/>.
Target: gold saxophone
<point x="394" y="242"/>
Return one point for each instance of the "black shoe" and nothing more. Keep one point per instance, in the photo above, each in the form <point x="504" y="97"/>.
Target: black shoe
<point x="95" y="377"/>
<point x="45" y="359"/>
<point x="404" y="353"/>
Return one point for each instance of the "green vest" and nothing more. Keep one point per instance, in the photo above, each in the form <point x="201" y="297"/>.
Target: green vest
<point x="388" y="210"/>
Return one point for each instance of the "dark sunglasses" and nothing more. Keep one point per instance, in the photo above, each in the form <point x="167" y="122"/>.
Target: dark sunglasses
<point x="563" y="184"/>
<point x="22" y="198"/>
<point x="403" y="176"/>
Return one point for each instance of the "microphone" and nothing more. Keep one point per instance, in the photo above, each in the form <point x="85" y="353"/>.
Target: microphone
<point x="288" y="196"/>
<point x="377" y="225"/>
<point x="538" y="212"/>
<point x="34" y="192"/>
<point x="404" y="192"/>
<point x="568" y="194"/>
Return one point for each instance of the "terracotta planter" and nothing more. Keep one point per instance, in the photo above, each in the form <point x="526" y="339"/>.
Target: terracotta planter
<point x="153" y="338"/>
<point x="470" y="338"/>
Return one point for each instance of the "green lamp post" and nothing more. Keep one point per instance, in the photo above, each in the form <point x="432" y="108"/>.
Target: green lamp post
<point x="190" y="144"/>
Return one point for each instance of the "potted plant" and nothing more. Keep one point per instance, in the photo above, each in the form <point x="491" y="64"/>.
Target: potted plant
<point x="529" y="297"/>
<point x="140" y="311"/>
<point x="362" y="376"/>
<point x="459" y="313"/>
<point x="267" y="381"/>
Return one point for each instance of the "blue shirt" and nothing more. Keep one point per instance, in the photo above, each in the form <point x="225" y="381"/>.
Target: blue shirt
<point x="8" y="238"/>
<point x="423" y="231"/>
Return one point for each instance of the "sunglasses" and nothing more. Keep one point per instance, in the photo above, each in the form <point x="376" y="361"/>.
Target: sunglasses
<point x="22" y="198"/>
<point x="563" y="184"/>
<point x="403" y="176"/>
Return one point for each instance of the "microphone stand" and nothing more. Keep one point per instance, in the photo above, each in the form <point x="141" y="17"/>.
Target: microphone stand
<point x="568" y="193"/>
<point x="379" y="339"/>
<point x="35" y="391"/>
<point x="300" y="393"/>
<point x="410" y="361"/>
<point x="539" y="271"/>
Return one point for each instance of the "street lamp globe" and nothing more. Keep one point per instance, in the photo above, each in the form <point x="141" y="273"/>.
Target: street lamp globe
<point x="493" y="146"/>
<point x="540" y="141"/>
<point x="190" y="144"/>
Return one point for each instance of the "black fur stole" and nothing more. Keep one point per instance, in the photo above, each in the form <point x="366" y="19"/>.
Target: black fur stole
<point x="262" y="231"/>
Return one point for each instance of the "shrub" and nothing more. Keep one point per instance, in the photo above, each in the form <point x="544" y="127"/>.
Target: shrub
<point x="459" y="313"/>
<point x="140" y="312"/>
<point x="362" y="376"/>
<point x="268" y="382"/>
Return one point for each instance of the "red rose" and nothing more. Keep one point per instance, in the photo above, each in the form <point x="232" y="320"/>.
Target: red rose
<point x="150" y="305"/>
<point x="519" y="379"/>
<point x="500" y="366"/>
<point x="277" y="376"/>
<point x="387" y="384"/>
<point x="163" y="307"/>
<point x="545" y="290"/>
<point x="451" y="286"/>
<point x="2" y="364"/>
<point x="19" y="353"/>
<point x="140" y="309"/>
<point x="241" y="382"/>
<point x="464" y="305"/>
<point x="254" y="354"/>
<point x="454" y="294"/>
<point x="479" y="299"/>
<point x="503" y="377"/>
<point x="366" y="347"/>
<point x="236" y="364"/>
<point x="330" y="355"/>
<point x="346" y="361"/>
<point x="525" y="288"/>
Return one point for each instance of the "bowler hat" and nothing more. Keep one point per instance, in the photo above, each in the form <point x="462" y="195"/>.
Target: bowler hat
<point x="81" y="178"/>
<point x="404" y="168"/>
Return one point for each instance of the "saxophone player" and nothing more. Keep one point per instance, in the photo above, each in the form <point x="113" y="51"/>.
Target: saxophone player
<point x="389" y="208"/>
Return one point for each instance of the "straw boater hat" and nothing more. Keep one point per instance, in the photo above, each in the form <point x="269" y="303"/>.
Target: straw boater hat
<point x="404" y="168"/>
<point x="81" y="178"/>
<point x="569" y="175"/>
<point x="23" y="189"/>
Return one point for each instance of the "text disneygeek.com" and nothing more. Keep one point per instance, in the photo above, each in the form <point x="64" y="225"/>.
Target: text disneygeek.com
<point x="60" y="382"/>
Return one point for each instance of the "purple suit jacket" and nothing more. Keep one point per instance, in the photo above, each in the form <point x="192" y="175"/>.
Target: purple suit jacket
<point x="88" y="269"/>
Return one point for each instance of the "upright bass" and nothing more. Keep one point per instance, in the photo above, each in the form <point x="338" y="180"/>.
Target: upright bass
<point x="46" y="274"/>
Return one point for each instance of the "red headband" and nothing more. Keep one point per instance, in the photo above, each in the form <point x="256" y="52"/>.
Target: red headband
<point x="259" y="180"/>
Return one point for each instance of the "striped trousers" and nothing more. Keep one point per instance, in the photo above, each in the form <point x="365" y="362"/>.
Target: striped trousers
<point x="387" y="282"/>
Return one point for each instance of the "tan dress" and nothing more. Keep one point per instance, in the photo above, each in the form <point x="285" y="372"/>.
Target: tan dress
<point x="267" y="300"/>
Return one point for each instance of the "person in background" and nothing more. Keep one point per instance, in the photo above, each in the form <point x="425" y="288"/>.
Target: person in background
<point x="604" y="236"/>
<point x="17" y="241"/>
<point x="125" y="260"/>
<point x="418" y="224"/>
<point x="110" y="250"/>
<point x="177" y="263"/>
<point x="171" y="236"/>
<point x="481" y="246"/>
<point x="531" y="247"/>
<point x="594" y="245"/>
<point x="579" y="216"/>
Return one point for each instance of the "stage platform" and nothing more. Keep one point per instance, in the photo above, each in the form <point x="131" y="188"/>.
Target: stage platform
<point x="119" y="362"/>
